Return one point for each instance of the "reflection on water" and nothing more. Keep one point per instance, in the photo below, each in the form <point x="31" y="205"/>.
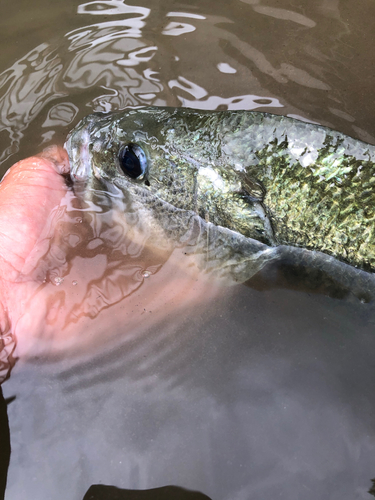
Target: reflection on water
<point x="259" y="394"/>
<point x="139" y="56"/>
<point x="235" y="404"/>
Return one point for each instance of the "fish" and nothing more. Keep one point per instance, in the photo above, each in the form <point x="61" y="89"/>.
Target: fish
<point x="237" y="188"/>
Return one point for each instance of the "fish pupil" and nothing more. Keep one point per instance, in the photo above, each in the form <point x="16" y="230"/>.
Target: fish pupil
<point x="130" y="163"/>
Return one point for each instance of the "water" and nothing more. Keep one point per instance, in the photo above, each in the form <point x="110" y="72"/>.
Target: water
<point x="264" y="392"/>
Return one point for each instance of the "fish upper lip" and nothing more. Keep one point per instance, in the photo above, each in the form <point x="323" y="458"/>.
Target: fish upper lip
<point x="79" y="155"/>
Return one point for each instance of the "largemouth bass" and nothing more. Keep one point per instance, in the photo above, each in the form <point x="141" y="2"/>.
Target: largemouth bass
<point x="244" y="186"/>
<point x="167" y="204"/>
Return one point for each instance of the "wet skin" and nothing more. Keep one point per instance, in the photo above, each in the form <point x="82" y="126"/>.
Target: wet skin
<point x="28" y="193"/>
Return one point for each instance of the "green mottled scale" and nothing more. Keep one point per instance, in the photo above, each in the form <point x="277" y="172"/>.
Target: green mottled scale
<point x="274" y="179"/>
<point x="319" y="190"/>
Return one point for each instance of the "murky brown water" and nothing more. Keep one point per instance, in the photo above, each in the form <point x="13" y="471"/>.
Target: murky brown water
<point x="263" y="393"/>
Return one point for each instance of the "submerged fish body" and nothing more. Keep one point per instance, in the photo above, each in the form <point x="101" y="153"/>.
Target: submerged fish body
<point x="248" y="186"/>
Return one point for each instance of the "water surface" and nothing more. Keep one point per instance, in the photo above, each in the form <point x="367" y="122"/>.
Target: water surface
<point x="265" y="392"/>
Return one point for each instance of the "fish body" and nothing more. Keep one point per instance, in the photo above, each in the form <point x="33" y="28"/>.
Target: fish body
<point x="258" y="181"/>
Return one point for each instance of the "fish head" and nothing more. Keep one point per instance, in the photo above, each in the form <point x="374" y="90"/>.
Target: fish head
<point x="174" y="156"/>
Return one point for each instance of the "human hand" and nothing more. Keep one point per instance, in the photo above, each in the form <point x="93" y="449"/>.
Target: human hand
<point x="64" y="264"/>
<point x="28" y="193"/>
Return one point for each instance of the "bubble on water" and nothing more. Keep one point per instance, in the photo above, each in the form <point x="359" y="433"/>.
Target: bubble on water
<point x="146" y="274"/>
<point x="74" y="282"/>
<point x="57" y="280"/>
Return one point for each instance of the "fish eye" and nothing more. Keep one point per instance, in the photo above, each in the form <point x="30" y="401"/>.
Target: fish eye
<point x="133" y="161"/>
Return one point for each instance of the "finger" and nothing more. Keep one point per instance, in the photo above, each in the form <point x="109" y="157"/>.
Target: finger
<point x="28" y="193"/>
<point x="59" y="157"/>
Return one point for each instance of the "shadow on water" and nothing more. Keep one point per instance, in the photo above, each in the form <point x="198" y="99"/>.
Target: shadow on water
<point x="5" y="443"/>
<point x="101" y="492"/>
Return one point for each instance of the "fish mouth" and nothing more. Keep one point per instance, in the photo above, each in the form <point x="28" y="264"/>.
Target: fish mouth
<point x="79" y="155"/>
<point x="79" y="143"/>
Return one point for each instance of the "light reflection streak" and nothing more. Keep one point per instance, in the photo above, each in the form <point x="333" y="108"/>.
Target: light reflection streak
<point x="201" y="101"/>
<point x="226" y="68"/>
<point x="177" y="29"/>
<point x="248" y="102"/>
<point x="111" y="8"/>
<point x="30" y="84"/>
<point x="185" y="14"/>
<point x="134" y="58"/>
<point x="188" y="86"/>
<point x="106" y="32"/>
<point x="64" y="112"/>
